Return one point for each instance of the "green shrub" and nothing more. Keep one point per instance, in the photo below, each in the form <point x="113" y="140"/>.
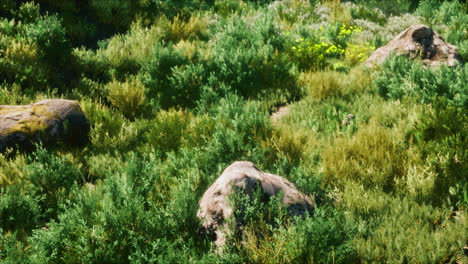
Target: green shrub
<point x="401" y="77"/>
<point x="18" y="211"/>
<point x="424" y="231"/>
<point x="21" y="63"/>
<point x="51" y="173"/>
<point x="49" y="35"/>
<point x="368" y="13"/>
<point x="93" y="65"/>
<point x="12" y="250"/>
<point x="244" y="57"/>
<point x="127" y="53"/>
<point x="157" y="74"/>
<point x="322" y="85"/>
<point x="11" y="168"/>
<point x="371" y="157"/>
<point x="127" y="216"/>
<point x="128" y="97"/>
<point x="29" y="12"/>
<point x="284" y="241"/>
<point x="167" y="132"/>
<point x="178" y="29"/>
<point x="110" y="128"/>
<point x="439" y="136"/>
<point x="52" y="177"/>
<point x="393" y="8"/>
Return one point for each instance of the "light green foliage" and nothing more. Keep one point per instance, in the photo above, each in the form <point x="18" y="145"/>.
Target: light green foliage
<point x="271" y="236"/>
<point x="175" y="91"/>
<point x="397" y="230"/>
<point x="322" y="85"/>
<point x="314" y="52"/>
<point x="371" y="157"/>
<point x="128" y="97"/>
<point x="357" y="53"/>
<point x="402" y="77"/>
<point x="11" y="169"/>
<point x="168" y="131"/>
<point x="126" y="53"/>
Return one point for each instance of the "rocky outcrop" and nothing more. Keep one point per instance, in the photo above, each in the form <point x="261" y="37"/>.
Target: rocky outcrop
<point x="418" y="41"/>
<point x="47" y="121"/>
<point x="243" y="176"/>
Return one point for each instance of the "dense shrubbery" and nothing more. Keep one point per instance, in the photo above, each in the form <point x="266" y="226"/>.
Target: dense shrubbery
<point x="176" y="91"/>
<point x="401" y="77"/>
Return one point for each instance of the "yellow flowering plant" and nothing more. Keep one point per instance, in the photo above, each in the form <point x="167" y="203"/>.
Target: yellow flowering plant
<point x="313" y="53"/>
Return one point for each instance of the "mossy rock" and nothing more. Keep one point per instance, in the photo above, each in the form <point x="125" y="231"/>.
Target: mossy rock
<point x="48" y="121"/>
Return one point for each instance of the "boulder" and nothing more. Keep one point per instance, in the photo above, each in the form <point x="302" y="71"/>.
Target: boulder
<point x="418" y="41"/>
<point x="47" y="121"/>
<point x="215" y="207"/>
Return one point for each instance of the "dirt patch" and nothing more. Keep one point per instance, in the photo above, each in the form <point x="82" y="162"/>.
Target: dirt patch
<point x="281" y="112"/>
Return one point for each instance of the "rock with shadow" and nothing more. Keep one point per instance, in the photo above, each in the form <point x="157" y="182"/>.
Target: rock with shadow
<point x="48" y="122"/>
<point x="242" y="176"/>
<point x="418" y="42"/>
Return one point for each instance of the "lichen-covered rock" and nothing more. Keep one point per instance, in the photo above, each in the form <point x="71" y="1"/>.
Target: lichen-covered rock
<point x="47" y="121"/>
<point x="418" y="41"/>
<point x="244" y="176"/>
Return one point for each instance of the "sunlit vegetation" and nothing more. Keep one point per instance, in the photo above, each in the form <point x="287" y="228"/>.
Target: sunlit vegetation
<point x="175" y="91"/>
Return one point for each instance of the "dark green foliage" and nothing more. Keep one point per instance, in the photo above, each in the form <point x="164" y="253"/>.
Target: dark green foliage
<point x="441" y="133"/>
<point x="19" y="211"/>
<point x="164" y="63"/>
<point x="330" y="234"/>
<point x="245" y="57"/>
<point x="52" y="177"/>
<point x="36" y="51"/>
<point x="49" y="36"/>
<point x="50" y="172"/>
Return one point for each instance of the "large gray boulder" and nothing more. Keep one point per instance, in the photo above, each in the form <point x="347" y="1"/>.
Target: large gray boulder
<point x="215" y="207"/>
<point x="418" y="42"/>
<point x="47" y="121"/>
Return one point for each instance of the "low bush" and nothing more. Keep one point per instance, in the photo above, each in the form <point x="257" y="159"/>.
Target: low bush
<point x="19" y="212"/>
<point x="11" y="168"/>
<point x="322" y="85"/>
<point x="371" y="157"/>
<point x="289" y="241"/>
<point x="246" y="58"/>
<point x="428" y="235"/>
<point x="128" y="97"/>
<point x="53" y="178"/>
<point x="401" y="77"/>
<point x="168" y="131"/>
